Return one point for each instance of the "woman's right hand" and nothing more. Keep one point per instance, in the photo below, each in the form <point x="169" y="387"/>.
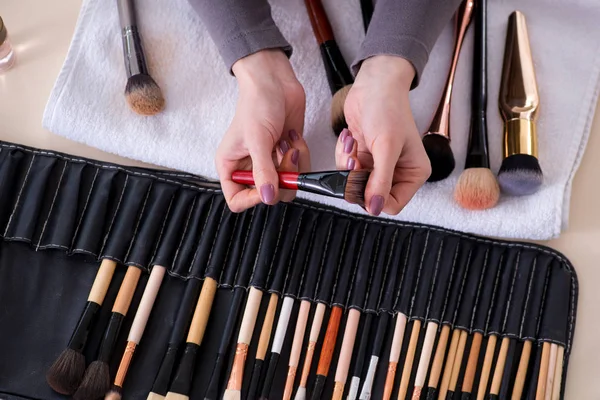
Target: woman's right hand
<point x="266" y="131"/>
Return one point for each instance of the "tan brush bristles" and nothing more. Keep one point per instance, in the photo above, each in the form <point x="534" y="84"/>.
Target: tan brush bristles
<point x="477" y="189"/>
<point x="338" y="121"/>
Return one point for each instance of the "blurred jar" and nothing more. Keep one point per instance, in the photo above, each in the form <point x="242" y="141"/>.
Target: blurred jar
<point x="7" y="54"/>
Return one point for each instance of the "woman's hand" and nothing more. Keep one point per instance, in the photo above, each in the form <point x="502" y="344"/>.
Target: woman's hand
<point x="382" y="135"/>
<point x="267" y="126"/>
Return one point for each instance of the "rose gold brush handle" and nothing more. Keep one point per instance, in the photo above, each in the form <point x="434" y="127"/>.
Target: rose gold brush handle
<point x="441" y="119"/>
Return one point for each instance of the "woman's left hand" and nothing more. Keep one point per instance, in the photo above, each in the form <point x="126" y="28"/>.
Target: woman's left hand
<point x="382" y="135"/>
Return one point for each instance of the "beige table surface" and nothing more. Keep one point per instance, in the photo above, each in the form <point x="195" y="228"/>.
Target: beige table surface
<point x="41" y="31"/>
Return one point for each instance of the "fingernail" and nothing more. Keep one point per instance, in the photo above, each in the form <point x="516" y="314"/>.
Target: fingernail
<point x="351" y="163"/>
<point x="343" y="134"/>
<point x="284" y="146"/>
<point x="294" y="135"/>
<point x="295" y="156"/>
<point x="348" y="144"/>
<point x="376" y="205"/>
<point x="267" y="193"/>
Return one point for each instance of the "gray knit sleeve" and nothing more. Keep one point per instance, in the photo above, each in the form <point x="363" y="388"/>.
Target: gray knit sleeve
<point x="406" y="28"/>
<point x="240" y="27"/>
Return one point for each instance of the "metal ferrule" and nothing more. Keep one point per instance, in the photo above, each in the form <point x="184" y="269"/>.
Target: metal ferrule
<point x="520" y="137"/>
<point x="330" y="183"/>
<point x="135" y="62"/>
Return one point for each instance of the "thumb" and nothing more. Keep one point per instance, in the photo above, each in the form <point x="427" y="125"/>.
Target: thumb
<point x="385" y="157"/>
<point x="263" y="168"/>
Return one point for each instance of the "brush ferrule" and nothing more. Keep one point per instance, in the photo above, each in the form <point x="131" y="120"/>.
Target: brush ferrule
<point x="125" y="362"/>
<point x="80" y="335"/>
<point x="331" y="184"/>
<point x="110" y="337"/>
<point x="135" y="62"/>
<point x="520" y="137"/>
<point x="338" y="74"/>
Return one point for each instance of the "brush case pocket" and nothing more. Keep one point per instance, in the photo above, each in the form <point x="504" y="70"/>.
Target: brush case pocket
<point x="60" y="215"/>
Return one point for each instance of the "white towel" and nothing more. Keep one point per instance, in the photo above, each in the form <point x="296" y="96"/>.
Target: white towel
<point x="87" y="102"/>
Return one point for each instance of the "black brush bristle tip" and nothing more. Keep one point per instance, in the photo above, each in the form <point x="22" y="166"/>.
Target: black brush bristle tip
<point x="520" y="175"/>
<point x="95" y="383"/>
<point x="440" y="155"/>
<point x="65" y="375"/>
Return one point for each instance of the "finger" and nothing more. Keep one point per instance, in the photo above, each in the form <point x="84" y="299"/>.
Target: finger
<point x="263" y="169"/>
<point x="298" y="143"/>
<point x="238" y="197"/>
<point x="346" y="150"/>
<point x="289" y="163"/>
<point x="386" y="153"/>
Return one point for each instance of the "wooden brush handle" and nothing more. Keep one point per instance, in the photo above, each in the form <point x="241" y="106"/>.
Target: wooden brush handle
<point x="499" y="367"/>
<point x="487" y="366"/>
<point x="299" y="333"/>
<point x="341" y="372"/>
<point x="146" y="304"/>
<point x="556" y="386"/>
<point x="127" y="290"/>
<point x="282" y="324"/>
<point x="522" y="371"/>
<point x="202" y="311"/>
<point x="543" y="376"/>
<point x="287" y="180"/>
<point x="102" y="281"/>
<point x="430" y="334"/>
<point x="249" y="318"/>
<point x="315" y="329"/>
<point x="397" y="338"/>
<point x="265" y="333"/>
<point x="460" y="351"/>
<point x="408" y="361"/>
<point x="449" y="363"/>
<point x="319" y="21"/>
<point x="469" y="378"/>
<point x="329" y="341"/>
<point x="551" y="370"/>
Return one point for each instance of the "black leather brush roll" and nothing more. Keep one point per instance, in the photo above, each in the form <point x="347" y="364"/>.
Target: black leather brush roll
<point x="60" y="215"/>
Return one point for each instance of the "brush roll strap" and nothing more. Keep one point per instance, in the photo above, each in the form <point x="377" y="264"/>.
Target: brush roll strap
<point x="61" y="215"/>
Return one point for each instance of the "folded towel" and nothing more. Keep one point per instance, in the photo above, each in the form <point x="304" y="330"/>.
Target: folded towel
<point x="87" y="102"/>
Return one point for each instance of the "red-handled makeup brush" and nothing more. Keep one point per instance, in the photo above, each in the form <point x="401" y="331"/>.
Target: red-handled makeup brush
<point x="347" y="185"/>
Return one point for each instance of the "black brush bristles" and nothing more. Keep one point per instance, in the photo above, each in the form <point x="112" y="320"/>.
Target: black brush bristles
<point x="440" y="155"/>
<point x="144" y="95"/>
<point x="520" y="175"/>
<point x="95" y="383"/>
<point x="65" y="375"/>
<point x="356" y="184"/>
<point x="338" y="119"/>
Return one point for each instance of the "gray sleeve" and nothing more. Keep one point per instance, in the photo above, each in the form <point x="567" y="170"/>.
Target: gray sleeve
<point x="240" y="27"/>
<point x="406" y="28"/>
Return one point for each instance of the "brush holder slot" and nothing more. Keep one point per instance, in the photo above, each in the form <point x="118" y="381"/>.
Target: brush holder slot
<point x="89" y="210"/>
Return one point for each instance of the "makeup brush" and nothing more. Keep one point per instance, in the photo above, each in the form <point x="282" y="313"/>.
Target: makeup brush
<point x="347" y="185"/>
<point x="477" y="188"/>
<point x="65" y="375"/>
<point x="520" y="173"/>
<point x="137" y="329"/>
<point x="409" y="359"/>
<point x="142" y="93"/>
<point x="543" y="376"/>
<point x="394" y="355"/>
<point x="341" y="372"/>
<point x="234" y="385"/>
<point x="558" y="373"/>
<point x="522" y="371"/>
<point x="326" y="356"/>
<point x="365" y="333"/>
<point x="293" y="363"/>
<point x="458" y="358"/>
<point x="338" y="73"/>
<point x="182" y="382"/>
<point x="437" y="138"/>
<point x="315" y="330"/>
<point x="263" y="345"/>
<point x="96" y="380"/>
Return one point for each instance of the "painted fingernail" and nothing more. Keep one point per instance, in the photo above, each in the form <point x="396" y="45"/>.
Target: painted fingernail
<point x="343" y="134"/>
<point x="376" y="205"/>
<point x="351" y="163"/>
<point x="295" y="156"/>
<point x="267" y="193"/>
<point x="348" y="144"/>
<point x="294" y="135"/>
<point x="284" y="146"/>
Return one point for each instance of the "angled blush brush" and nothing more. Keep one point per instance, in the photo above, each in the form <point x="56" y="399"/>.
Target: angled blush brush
<point x="96" y="380"/>
<point x="66" y="373"/>
<point x="137" y="329"/>
<point x="520" y="173"/>
<point x="347" y="185"/>
<point x="437" y="138"/>
<point x="477" y="187"/>
<point x="142" y="93"/>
